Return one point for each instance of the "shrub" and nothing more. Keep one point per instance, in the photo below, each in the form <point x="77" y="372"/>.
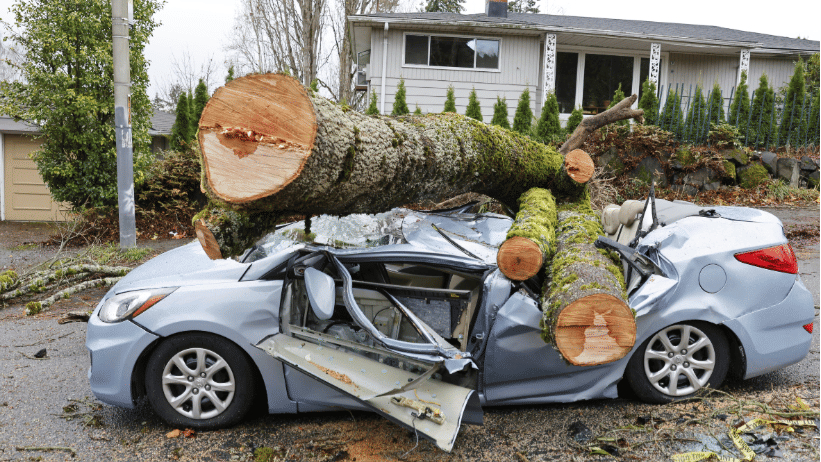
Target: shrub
<point x="716" y="105"/>
<point x="417" y="111"/>
<point x="372" y="109"/>
<point x="671" y="115"/>
<point x="400" y="107"/>
<point x="181" y="131"/>
<point x="695" y="115"/>
<point x="549" y="129"/>
<point x="474" y="110"/>
<point x="618" y="95"/>
<point x="724" y="136"/>
<point x="575" y="119"/>
<point x="753" y="176"/>
<point x="740" y="108"/>
<point x="500" y="113"/>
<point x="792" y="120"/>
<point x="649" y="102"/>
<point x="523" y="119"/>
<point x="761" y="113"/>
<point x="200" y="100"/>
<point x="450" y="100"/>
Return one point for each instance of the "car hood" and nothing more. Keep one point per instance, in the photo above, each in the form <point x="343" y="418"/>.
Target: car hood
<point x="183" y="266"/>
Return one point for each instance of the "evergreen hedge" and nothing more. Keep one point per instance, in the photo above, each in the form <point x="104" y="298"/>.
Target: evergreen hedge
<point x="793" y="122"/>
<point x="649" y="102"/>
<point x="500" y="113"/>
<point x="549" y="129"/>
<point x="450" y="100"/>
<point x="575" y="119"/>
<point x="400" y="107"/>
<point x="740" y="108"/>
<point x="523" y="119"/>
<point x="474" y="110"/>
<point x="761" y="114"/>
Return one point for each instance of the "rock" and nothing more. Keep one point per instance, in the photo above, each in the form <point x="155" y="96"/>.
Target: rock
<point x="40" y="354"/>
<point x="813" y="179"/>
<point x="808" y="163"/>
<point x="769" y="159"/>
<point x="700" y="177"/>
<point x="755" y="156"/>
<point x="786" y="169"/>
<point x="738" y="156"/>
<point x="686" y="189"/>
<point x="752" y="175"/>
<point x="607" y="159"/>
<point x="650" y="169"/>
<point x="712" y="186"/>
<point x="579" y="432"/>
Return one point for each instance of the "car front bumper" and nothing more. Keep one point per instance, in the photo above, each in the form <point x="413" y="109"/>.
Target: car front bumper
<point x="114" y="349"/>
<point x="774" y="337"/>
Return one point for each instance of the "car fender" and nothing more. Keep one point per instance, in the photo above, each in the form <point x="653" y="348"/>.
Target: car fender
<point x="242" y="312"/>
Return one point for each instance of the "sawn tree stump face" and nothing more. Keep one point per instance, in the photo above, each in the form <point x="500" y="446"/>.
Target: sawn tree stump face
<point x="590" y="331"/>
<point x="519" y="258"/>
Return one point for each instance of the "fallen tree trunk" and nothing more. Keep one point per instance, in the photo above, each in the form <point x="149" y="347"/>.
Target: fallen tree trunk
<point x="621" y="111"/>
<point x="531" y="240"/>
<point x="586" y="315"/>
<point x="271" y="148"/>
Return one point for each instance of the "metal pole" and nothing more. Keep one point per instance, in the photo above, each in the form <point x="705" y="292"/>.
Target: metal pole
<point x="122" y="123"/>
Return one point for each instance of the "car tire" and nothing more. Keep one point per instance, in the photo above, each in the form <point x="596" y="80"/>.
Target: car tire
<point x="199" y="381"/>
<point x="663" y="371"/>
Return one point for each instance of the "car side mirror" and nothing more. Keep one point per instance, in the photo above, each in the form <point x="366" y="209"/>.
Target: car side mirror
<point x="321" y="293"/>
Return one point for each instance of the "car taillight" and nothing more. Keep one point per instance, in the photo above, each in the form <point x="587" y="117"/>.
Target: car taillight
<point x="808" y="327"/>
<point x="779" y="258"/>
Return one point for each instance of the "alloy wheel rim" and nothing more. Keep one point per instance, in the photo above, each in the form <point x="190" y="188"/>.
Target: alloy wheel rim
<point x="679" y="360"/>
<point x="198" y="383"/>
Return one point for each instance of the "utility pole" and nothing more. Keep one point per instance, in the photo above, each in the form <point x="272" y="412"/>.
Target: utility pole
<point x="121" y="14"/>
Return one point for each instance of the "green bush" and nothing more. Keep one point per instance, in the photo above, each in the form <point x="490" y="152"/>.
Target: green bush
<point x="740" y="108"/>
<point x="372" y="109"/>
<point x="716" y="104"/>
<point x="549" y="129"/>
<point x="761" y="113"/>
<point x="474" y="110"/>
<point x="450" y="100"/>
<point x="671" y="115"/>
<point x="523" y="119"/>
<point x="500" y="113"/>
<point x="618" y="95"/>
<point x="695" y="115"/>
<point x="649" y="102"/>
<point x="575" y="119"/>
<point x="400" y="107"/>
<point x="793" y="122"/>
<point x="753" y="176"/>
<point x="201" y="98"/>
<point x="724" y="136"/>
<point x="417" y="111"/>
<point x="181" y="130"/>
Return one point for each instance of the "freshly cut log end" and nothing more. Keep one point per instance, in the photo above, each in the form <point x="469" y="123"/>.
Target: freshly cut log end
<point x="225" y="233"/>
<point x="256" y="134"/>
<point x="579" y="166"/>
<point x="586" y="315"/>
<point x="207" y="240"/>
<point x="519" y="258"/>
<point x="531" y="238"/>
<point x="596" y="329"/>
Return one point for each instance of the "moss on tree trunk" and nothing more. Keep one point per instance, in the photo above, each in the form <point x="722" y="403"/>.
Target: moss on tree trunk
<point x="531" y="240"/>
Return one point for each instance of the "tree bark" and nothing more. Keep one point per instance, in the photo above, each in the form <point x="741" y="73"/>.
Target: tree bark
<point x="531" y="239"/>
<point x="586" y="316"/>
<point x="270" y="146"/>
<point x="620" y="111"/>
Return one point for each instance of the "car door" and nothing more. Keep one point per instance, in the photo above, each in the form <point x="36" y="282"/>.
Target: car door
<point x="398" y="366"/>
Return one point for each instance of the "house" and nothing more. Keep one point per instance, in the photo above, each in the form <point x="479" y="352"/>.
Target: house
<point x="582" y="59"/>
<point x="23" y="194"/>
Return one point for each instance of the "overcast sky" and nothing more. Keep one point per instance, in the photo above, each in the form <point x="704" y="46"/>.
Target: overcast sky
<point x="201" y="27"/>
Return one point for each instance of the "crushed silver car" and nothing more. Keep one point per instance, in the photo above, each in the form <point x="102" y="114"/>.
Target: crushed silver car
<point x="406" y="314"/>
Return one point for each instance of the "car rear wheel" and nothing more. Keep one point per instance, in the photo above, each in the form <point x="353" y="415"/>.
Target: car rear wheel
<point x="199" y="381"/>
<point x="677" y="361"/>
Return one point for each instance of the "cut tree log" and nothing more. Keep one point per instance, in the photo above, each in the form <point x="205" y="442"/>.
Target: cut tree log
<point x="586" y="315"/>
<point x="531" y="240"/>
<point x="272" y="148"/>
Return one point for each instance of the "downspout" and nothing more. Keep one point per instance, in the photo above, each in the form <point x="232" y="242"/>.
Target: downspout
<point x="384" y="66"/>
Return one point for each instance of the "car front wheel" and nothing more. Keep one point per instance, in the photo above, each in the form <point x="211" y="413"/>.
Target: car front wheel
<point x="199" y="381"/>
<point x="677" y="361"/>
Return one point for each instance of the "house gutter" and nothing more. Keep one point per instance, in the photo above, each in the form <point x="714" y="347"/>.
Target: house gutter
<point x="384" y="67"/>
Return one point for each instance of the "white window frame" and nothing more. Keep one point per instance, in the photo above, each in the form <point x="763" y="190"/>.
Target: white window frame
<point x="448" y="68"/>
<point x="635" y="54"/>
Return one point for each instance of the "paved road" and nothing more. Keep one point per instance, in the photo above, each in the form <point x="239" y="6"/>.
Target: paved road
<point x="33" y="394"/>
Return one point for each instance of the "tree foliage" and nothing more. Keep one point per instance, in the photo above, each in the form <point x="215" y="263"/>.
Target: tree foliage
<point x="181" y="133"/>
<point x="740" y="108"/>
<point x="618" y="95"/>
<point x="696" y="115"/>
<point x="523" y="119"/>
<point x="716" y="104"/>
<point x="67" y="88"/>
<point x="372" y="109"/>
<point x="575" y="119"/>
<point x="230" y="76"/>
<point x="201" y="98"/>
<point x="444" y="6"/>
<point x="450" y="100"/>
<point x="549" y="129"/>
<point x="793" y="122"/>
<point x="474" y="109"/>
<point x="649" y="102"/>
<point x="761" y="113"/>
<point x="500" y="113"/>
<point x="522" y="6"/>
<point x="400" y="106"/>
<point x="671" y="116"/>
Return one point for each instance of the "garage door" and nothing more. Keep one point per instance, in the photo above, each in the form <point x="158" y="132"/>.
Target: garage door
<point x="27" y="197"/>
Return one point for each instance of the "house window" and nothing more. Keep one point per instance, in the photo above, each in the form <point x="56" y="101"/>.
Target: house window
<point x="602" y="76"/>
<point x="566" y="71"/>
<point x="454" y="52"/>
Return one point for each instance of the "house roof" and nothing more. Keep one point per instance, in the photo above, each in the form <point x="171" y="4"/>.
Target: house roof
<point x="161" y="123"/>
<point x="619" y="27"/>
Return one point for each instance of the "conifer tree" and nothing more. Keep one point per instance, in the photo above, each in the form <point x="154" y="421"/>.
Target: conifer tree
<point x="201" y="98"/>
<point x="372" y="109"/>
<point x="444" y="6"/>
<point x="181" y="131"/>
<point x="815" y="119"/>
<point x="716" y="105"/>
<point x="523" y="119"/>
<point x="792" y="120"/>
<point x="400" y="107"/>
<point x="671" y="115"/>
<point x="618" y="96"/>
<point x="450" y="100"/>
<point x="761" y="113"/>
<point x="474" y="109"/>
<point x="649" y="102"/>
<point x="549" y="128"/>
<point x="418" y="111"/>
<point x="230" y="75"/>
<point x="696" y="115"/>
<point x="740" y="108"/>
<point x="575" y="119"/>
<point x="500" y="113"/>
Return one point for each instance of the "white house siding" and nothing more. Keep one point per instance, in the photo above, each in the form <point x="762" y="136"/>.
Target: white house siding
<point x="427" y="87"/>
<point x="779" y="71"/>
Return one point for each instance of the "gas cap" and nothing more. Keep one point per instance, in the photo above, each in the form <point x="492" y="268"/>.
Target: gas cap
<point x="712" y="278"/>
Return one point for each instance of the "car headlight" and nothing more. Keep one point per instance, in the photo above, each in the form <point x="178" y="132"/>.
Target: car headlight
<point x="126" y="304"/>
